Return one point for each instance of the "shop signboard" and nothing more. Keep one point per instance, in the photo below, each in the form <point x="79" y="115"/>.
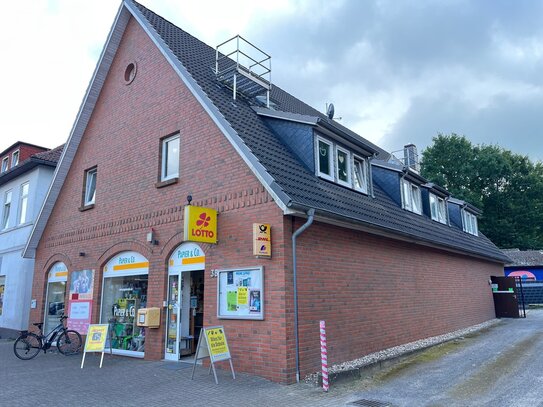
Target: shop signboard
<point x="240" y="293"/>
<point x="96" y="341"/>
<point x="212" y="344"/>
<point x="200" y="224"/>
<point x="262" y="239"/>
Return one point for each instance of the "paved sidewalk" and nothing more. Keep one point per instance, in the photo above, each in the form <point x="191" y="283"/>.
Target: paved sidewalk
<point x="53" y="379"/>
<point x="501" y="366"/>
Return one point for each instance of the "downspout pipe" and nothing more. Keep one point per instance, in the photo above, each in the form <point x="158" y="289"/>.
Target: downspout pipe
<point x="310" y="217"/>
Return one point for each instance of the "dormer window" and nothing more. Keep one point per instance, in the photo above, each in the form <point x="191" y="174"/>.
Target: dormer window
<point x="324" y="159"/>
<point x="343" y="166"/>
<point x="15" y="158"/>
<point x="438" y="209"/>
<point x="339" y="165"/>
<point x="360" y="180"/>
<point x="5" y="164"/>
<point x="469" y="222"/>
<point x="411" y="197"/>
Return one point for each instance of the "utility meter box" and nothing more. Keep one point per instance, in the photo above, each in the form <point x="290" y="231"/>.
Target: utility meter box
<point x="149" y="317"/>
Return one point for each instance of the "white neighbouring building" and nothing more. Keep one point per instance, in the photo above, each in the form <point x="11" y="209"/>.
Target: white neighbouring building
<point x="25" y="175"/>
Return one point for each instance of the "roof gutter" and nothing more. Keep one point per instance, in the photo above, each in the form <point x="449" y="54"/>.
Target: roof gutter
<point x="311" y="215"/>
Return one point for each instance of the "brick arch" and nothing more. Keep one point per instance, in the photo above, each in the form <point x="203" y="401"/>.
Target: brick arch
<point x="56" y="258"/>
<point x="127" y="245"/>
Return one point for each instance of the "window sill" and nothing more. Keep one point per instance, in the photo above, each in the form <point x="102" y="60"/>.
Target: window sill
<point x="162" y="184"/>
<point x="86" y="207"/>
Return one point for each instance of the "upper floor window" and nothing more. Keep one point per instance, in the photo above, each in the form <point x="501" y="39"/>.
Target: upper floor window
<point x="90" y="186"/>
<point x="5" y="164"/>
<point x="7" y="210"/>
<point x="438" y="208"/>
<point x="360" y="179"/>
<point x="411" y="197"/>
<point x="469" y="222"/>
<point x="170" y="158"/>
<point x="343" y="166"/>
<point x="324" y="159"/>
<point x="15" y="158"/>
<point x="23" y="207"/>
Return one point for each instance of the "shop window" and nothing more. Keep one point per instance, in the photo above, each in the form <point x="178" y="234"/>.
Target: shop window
<point x="343" y="166"/>
<point x="56" y="294"/>
<point x="170" y="158"/>
<point x="411" y="197"/>
<point x="469" y="222"/>
<point x="90" y="186"/>
<point x="23" y="204"/>
<point x="360" y="180"/>
<point x="438" y="209"/>
<point x="2" y="291"/>
<point x="5" y="164"/>
<point x="6" y="210"/>
<point x="15" y="158"/>
<point x="121" y="299"/>
<point x="324" y="159"/>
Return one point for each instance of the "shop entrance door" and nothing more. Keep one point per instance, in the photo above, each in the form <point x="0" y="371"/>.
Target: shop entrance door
<point x="184" y="312"/>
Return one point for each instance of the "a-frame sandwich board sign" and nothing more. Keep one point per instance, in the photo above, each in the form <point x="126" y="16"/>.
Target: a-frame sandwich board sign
<point x="212" y="344"/>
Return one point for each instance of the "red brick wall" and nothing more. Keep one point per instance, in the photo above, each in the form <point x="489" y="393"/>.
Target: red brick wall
<point x="122" y="140"/>
<point x="375" y="293"/>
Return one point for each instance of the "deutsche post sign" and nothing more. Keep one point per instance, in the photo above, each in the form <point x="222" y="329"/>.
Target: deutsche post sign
<point x="262" y="239"/>
<point x="200" y="224"/>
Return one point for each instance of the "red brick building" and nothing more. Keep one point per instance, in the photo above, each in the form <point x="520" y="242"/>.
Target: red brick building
<point x="159" y="127"/>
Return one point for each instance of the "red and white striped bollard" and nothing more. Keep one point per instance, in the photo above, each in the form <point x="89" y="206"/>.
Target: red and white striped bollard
<point x="324" y="357"/>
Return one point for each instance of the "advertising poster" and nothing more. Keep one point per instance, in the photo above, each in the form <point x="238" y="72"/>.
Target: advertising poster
<point x="79" y="315"/>
<point x="2" y="289"/>
<point x="217" y="345"/>
<point x="240" y="293"/>
<point x="96" y="338"/>
<point x="81" y="285"/>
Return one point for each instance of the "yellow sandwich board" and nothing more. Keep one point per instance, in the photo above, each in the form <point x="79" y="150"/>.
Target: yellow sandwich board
<point x="212" y="344"/>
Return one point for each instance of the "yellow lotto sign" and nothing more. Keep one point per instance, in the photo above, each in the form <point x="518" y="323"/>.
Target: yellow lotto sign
<point x="262" y="239"/>
<point x="96" y="338"/>
<point x="200" y="224"/>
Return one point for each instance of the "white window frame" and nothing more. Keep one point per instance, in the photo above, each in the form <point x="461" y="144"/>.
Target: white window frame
<point x="5" y="162"/>
<point x="365" y="179"/>
<point x="90" y="200"/>
<point x="15" y="158"/>
<point x="324" y="175"/>
<point x="469" y="223"/>
<point x="347" y="153"/>
<point x="163" y="166"/>
<point x="438" y="208"/>
<point x="6" y="208"/>
<point x="23" y="203"/>
<point x="411" y="197"/>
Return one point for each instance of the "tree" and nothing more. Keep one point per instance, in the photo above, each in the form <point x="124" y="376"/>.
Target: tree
<point x="507" y="187"/>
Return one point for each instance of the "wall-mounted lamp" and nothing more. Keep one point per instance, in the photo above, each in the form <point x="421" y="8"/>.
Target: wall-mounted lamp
<point x="189" y="199"/>
<point x="151" y="238"/>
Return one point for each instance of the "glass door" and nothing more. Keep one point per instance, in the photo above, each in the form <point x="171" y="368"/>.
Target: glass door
<point x="54" y="306"/>
<point x="173" y="317"/>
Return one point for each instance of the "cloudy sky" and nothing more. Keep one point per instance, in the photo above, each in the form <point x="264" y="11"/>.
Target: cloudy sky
<point x="397" y="71"/>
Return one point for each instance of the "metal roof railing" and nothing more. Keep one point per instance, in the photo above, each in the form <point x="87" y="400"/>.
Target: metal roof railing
<point x="244" y="67"/>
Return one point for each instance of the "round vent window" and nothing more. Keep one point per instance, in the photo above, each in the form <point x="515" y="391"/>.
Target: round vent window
<point x="130" y="73"/>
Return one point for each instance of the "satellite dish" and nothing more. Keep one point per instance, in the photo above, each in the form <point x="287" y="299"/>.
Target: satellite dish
<point x="330" y="111"/>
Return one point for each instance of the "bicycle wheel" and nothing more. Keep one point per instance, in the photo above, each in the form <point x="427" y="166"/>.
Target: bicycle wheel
<point x="69" y="342"/>
<point x="28" y="346"/>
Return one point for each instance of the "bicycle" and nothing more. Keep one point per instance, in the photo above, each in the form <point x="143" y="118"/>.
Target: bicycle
<point x="29" y="344"/>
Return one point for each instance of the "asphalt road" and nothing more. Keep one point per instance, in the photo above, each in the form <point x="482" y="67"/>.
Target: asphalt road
<point x="502" y="366"/>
